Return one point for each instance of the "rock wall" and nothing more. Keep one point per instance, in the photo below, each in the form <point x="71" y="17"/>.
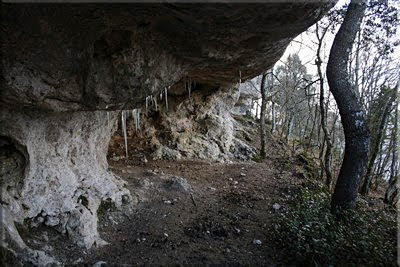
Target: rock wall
<point x="54" y="172"/>
<point x="200" y="126"/>
<point x="248" y="94"/>
<point x="91" y="57"/>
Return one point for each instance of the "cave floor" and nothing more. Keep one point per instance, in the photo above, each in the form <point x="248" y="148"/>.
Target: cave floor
<point x="216" y="221"/>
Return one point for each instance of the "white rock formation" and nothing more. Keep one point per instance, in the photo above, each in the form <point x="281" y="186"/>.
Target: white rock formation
<point x="65" y="178"/>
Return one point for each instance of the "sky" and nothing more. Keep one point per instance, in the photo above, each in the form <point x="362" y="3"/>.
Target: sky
<point x="304" y="46"/>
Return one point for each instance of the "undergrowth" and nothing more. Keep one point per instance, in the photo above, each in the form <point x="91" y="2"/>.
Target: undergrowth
<point x="308" y="234"/>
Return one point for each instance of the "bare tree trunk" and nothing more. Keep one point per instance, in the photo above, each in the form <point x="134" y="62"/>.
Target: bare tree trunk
<point x="304" y="133"/>
<point x="324" y="114"/>
<point x="289" y="127"/>
<point x="262" y="115"/>
<point x="351" y="111"/>
<point x="375" y="146"/>
<point x="273" y="126"/>
<point x="392" y="192"/>
<point x="312" y="129"/>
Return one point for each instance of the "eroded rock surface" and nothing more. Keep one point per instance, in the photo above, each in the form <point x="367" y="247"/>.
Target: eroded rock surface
<point x="197" y="127"/>
<point x="90" y="57"/>
<point x="248" y="94"/>
<point x="54" y="172"/>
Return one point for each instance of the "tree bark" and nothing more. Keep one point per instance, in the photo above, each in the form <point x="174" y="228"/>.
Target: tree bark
<point x="262" y="115"/>
<point x="351" y="111"/>
<point x="273" y="104"/>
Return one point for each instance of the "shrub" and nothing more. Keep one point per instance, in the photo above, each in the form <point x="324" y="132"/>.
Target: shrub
<point x="308" y="234"/>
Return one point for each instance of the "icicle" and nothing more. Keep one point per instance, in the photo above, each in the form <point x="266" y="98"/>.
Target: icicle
<point x="189" y="86"/>
<point x="166" y="98"/>
<point x="108" y="116"/>
<point x="123" y="122"/>
<point x="134" y="118"/>
<point x="147" y="102"/>
<point x="138" y="118"/>
<point x="240" y="77"/>
<point x="161" y="96"/>
<point x="155" y="102"/>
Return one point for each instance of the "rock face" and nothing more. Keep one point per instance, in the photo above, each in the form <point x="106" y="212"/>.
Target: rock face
<point x="200" y="126"/>
<point x="54" y="172"/>
<point x="61" y="61"/>
<point x="91" y="57"/>
<point x="248" y="94"/>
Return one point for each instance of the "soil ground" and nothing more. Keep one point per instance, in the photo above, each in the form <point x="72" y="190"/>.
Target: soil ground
<point x="215" y="221"/>
<point x="222" y="216"/>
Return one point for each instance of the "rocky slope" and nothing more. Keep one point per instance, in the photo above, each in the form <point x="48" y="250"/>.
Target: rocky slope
<point x="61" y="61"/>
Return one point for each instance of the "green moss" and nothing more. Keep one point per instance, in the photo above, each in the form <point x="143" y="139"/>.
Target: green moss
<point x="310" y="167"/>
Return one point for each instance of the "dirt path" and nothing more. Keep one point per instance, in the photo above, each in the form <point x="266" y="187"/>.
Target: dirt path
<point x="215" y="219"/>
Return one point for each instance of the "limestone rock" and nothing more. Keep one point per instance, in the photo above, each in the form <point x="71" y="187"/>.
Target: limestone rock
<point x="200" y="127"/>
<point x="247" y="95"/>
<point x="179" y="183"/>
<point x="65" y="176"/>
<point x="89" y="57"/>
<point x="165" y="153"/>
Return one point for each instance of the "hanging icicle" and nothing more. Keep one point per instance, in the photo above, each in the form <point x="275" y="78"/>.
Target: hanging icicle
<point x="138" y="118"/>
<point x="123" y="123"/>
<point x="155" y="103"/>
<point x="134" y="118"/>
<point x="240" y="77"/>
<point x="108" y="116"/>
<point x="166" y="97"/>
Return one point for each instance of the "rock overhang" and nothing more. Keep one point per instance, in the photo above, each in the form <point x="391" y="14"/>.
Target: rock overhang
<point x="65" y="57"/>
<point x="79" y="58"/>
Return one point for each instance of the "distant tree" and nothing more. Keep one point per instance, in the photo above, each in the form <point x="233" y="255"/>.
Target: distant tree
<point x="380" y="112"/>
<point x="291" y="96"/>
<point x="262" y="114"/>
<point x="350" y="108"/>
<point x="392" y="193"/>
<point x="324" y="113"/>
